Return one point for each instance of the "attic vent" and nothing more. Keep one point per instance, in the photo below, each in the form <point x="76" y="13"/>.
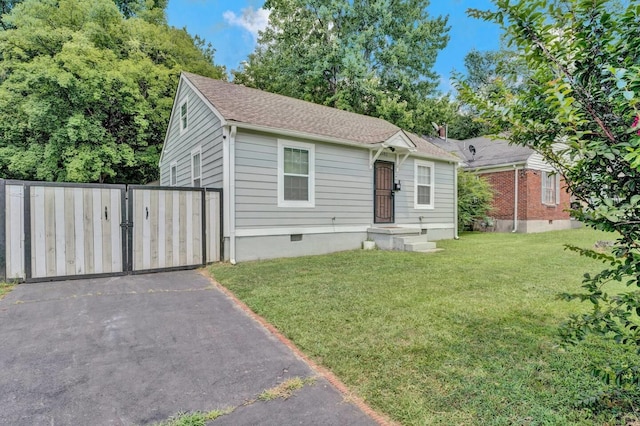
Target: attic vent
<point x="472" y="149"/>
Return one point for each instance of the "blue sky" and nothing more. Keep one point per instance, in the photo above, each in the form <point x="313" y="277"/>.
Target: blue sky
<point x="231" y="26"/>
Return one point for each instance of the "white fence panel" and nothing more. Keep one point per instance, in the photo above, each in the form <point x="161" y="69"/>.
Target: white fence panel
<point x="14" y="222"/>
<point x="61" y="230"/>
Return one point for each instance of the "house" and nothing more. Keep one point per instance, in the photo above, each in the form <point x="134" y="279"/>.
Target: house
<point x="300" y="178"/>
<point x="529" y="195"/>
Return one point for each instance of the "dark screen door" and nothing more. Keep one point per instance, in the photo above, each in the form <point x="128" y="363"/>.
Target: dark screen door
<point x="383" y="192"/>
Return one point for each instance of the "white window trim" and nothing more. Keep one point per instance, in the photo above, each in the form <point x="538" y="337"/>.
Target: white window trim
<point x="195" y="152"/>
<point x="556" y="188"/>
<point x="282" y="144"/>
<point x="431" y="165"/>
<point x="173" y="174"/>
<point x="185" y="102"/>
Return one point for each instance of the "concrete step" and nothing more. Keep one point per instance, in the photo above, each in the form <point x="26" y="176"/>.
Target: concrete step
<point x="428" y="251"/>
<point x="413" y="243"/>
<point x="420" y="246"/>
<point x="414" y="239"/>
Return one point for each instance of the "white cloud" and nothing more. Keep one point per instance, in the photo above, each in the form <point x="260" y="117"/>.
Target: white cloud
<point x="250" y="19"/>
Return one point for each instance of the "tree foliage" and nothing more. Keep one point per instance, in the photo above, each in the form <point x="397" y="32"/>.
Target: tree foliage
<point x="373" y="57"/>
<point x="85" y="92"/>
<point x="579" y="108"/>
<point x="486" y="72"/>
<point x="475" y="198"/>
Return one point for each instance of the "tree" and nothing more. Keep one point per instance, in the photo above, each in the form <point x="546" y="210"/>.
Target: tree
<point x="85" y="93"/>
<point x="373" y="57"/>
<point x="579" y="109"/>
<point x="475" y="198"/>
<point x="486" y="72"/>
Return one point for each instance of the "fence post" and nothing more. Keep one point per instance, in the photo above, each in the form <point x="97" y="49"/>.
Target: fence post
<point x="3" y="230"/>
<point x="27" y="231"/>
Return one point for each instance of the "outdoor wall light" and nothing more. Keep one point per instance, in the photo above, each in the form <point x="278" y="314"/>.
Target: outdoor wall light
<point x="397" y="186"/>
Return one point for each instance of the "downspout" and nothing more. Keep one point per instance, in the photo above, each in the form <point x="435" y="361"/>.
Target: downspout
<point x="515" y="197"/>
<point x="232" y="195"/>
<point x="455" y="204"/>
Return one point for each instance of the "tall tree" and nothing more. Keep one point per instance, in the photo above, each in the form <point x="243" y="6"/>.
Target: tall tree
<point x="85" y="93"/>
<point x="373" y="57"/>
<point x="580" y="109"/>
<point x="486" y="72"/>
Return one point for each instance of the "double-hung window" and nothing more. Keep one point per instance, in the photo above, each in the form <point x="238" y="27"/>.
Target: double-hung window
<point x="184" y="112"/>
<point x="424" y="185"/>
<point x="550" y="188"/>
<point x="173" y="178"/>
<point x="196" y="167"/>
<point x="296" y="174"/>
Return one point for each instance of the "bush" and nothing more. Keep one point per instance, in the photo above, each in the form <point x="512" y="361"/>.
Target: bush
<point x="475" y="198"/>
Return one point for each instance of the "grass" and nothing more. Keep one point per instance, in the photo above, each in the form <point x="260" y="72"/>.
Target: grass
<point x="197" y="418"/>
<point x="5" y="288"/>
<point x="464" y="336"/>
<point x="285" y="389"/>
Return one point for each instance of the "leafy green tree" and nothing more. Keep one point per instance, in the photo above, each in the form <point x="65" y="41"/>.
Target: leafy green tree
<point x="475" y="198"/>
<point x="373" y="57"/>
<point x="580" y="110"/>
<point x="85" y="93"/>
<point x="486" y="72"/>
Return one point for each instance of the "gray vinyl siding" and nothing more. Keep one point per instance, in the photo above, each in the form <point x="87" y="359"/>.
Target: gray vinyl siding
<point x="444" y="193"/>
<point x="204" y="130"/>
<point x="343" y="186"/>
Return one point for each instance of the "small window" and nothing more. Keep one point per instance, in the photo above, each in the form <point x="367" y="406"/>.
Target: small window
<point x="550" y="188"/>
<point x="196" y="168"/>
<point x="295" y="174"/>
<point x="184" y="110"/>
<point x="174" y="174"/>
<point x="424" y="185"/>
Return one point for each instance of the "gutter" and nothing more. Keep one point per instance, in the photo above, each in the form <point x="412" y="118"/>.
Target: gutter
<point x="455" y="203"/>
<point x="515" y="197"/>
<point x="232" y="195"/>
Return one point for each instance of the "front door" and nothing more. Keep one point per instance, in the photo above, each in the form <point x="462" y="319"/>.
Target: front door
<point x="383" y="208"/>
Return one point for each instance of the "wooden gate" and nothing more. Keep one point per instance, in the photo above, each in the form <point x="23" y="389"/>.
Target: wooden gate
<point x="61" y="231"/>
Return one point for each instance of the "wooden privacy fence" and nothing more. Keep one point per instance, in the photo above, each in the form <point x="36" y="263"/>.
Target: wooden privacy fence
<point x="60" y="231"/>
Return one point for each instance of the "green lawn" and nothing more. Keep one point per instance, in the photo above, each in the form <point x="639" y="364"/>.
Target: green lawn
<point x="5" y="288"/>
<point x="463" y="336"/>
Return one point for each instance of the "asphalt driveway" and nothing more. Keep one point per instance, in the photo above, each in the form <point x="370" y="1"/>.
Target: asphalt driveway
<point x="139" y="349"/>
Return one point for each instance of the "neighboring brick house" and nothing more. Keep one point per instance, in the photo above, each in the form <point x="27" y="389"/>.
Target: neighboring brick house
<point x="540" y="202"/>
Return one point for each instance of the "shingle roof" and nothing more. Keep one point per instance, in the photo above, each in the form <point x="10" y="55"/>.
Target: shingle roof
<point x="488" y="152"/>
<point x="241" y="104"/>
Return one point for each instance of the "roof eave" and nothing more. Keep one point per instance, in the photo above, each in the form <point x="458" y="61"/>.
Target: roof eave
<point x="299" y="134"/>
<point x="329" y="139"/>
<point x="510" y="165"/>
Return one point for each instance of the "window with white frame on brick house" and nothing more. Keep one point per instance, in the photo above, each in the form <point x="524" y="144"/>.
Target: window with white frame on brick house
<point x="550" y="188"/>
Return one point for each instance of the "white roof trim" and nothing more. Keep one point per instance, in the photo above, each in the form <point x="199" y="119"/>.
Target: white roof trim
<point x="497" y="167"/>
<point x="181" y="81"/>
<point x="204" y="99"/>
<point x="400" y="141"/>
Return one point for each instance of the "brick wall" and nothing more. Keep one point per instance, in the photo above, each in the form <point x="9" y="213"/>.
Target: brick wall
<point x="503" y="198"/>
<point x="538" y="211"/>
<point x="530" y="205"/>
